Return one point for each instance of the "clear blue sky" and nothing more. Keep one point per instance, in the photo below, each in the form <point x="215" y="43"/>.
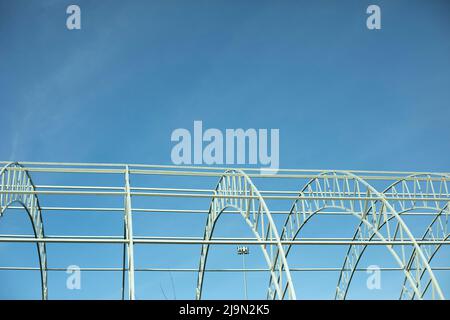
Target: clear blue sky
<point x="342" y="96"/>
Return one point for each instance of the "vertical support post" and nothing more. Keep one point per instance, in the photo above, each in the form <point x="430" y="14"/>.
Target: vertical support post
<point x="244" y="251"/>
<point x="245" y="278"/>
<point x="129" y="234"/>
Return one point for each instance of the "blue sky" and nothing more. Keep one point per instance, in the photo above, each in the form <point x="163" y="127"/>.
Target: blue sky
<point x="343" y="97"/>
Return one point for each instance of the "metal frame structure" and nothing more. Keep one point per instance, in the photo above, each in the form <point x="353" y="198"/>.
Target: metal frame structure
<point x="380" y="217"/>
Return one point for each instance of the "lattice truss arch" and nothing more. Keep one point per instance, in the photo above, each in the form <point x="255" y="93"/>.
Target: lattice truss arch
<point x="15" y="182"/>
<point x="236" y="190"/>
<point x="378" y="219"/>
<point x="409" y="192"/>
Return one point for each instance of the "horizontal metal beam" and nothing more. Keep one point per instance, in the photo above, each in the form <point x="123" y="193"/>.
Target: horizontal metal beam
<point x="219" y="196"/>
<point x="221" y="242"/>
<point x="220" y="173"/>
<point x="210" y="168"/>
<point x="317" y="269"/>
<point x="236" y="239"/>
<point x="211" y="191"/>
<point x="199" y="211"/>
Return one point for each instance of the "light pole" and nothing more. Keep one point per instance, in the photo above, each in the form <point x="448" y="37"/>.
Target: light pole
<point x="242" y="250"/>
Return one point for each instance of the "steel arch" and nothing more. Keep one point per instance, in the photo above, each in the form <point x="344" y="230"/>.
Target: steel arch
<point x="14" y="177"/>
<point x="436" y="226"/>
<point x="355" y="253"/>
<point x="236" y="190"/>
<point x="347" y="184"/>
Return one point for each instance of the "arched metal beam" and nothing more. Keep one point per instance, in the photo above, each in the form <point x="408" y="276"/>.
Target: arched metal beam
<point x="303" y="209"/>
<point x="350" y="185"/>
<point x="257" y="216"/>
<point x="14" y="177"/>
<point x="437" y="229"/>
<point x="413" y="191"/>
